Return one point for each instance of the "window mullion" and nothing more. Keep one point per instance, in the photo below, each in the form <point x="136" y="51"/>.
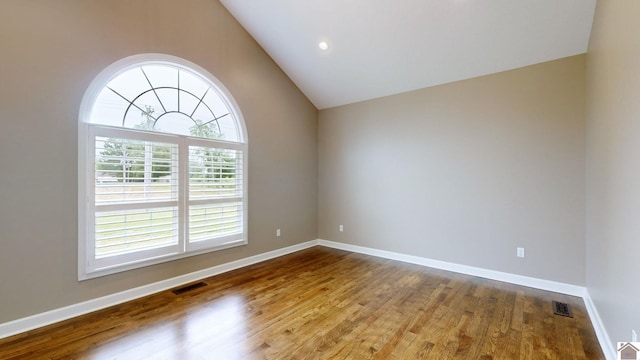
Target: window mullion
<point x="215" y="201"/>
<point x="134" y="206"/>
<point x="183" y="191"/>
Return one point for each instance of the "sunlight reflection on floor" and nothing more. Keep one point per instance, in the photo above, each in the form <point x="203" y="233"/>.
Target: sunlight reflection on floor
<point x="214" y="330"/>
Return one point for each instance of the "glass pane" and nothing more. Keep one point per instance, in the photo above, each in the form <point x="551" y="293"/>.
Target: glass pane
<point x="130" y="84"/>
<point x="128" y="171"/>
<point x="214" y="173"/>
<point x="175" y="123"/>
<point x="145" y="112"/>
<point x="108" y="109"/>
<point x="203" y="114"/>
<point x="226" y="123"/>
<point x="207" y="130"/>
<point x="215" y="103"/>
<point x="162" y="75"/>
<point x="188" y="103"/>
<point x="193" y="84"/>
<point x="228" y="128"/>
<point x="120" y="232"/>
<point x="214" y="220"/>
<point x="169" y="98"/>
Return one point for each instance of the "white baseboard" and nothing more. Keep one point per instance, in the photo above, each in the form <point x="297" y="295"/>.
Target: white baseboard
<point x="548" y="285"/>
<point x="609" y="351"/>
<point x="49" y="317"/>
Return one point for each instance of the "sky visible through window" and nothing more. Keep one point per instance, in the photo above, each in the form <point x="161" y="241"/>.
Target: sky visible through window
<point x="167" y="99"/>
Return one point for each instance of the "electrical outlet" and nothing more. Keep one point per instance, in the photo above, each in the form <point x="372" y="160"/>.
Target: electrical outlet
<point x="520" y="252"/>
<point x="634" y="336"/>
<point x="341" y="228"/>
<point x="277" y="232"/>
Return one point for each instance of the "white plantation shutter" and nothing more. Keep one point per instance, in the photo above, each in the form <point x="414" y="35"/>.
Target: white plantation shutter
<point x="119" y="232"/>
<point x="215" y="195"/>
<point x="221" y="222"/>
<point x="166" y="170"/>
<point x="136" y="197"/>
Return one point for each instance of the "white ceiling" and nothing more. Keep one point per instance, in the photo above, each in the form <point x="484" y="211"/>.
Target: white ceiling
<point x="384" y="47"/>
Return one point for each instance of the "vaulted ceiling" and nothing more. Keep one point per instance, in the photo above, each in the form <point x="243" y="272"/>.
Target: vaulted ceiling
<point x="382" y="47"/>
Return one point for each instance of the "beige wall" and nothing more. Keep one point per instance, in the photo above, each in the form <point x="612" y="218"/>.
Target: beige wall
<point x="50" y="52"/>
<point x="464" y="172"/>
<point x="613" y="166"/>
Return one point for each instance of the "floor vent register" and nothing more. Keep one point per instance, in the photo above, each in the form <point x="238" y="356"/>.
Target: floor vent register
<point x="184" y="289"/>
<point x="562" y="309"/>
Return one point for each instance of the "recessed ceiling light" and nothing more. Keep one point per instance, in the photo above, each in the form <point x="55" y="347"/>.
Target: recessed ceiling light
<point x="323" y="45"/>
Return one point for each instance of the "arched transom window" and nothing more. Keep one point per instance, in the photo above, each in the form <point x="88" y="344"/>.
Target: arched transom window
<point x="165" y="167"/>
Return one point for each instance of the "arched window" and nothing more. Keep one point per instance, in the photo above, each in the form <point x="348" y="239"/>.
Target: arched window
<point x="163" y="166"/>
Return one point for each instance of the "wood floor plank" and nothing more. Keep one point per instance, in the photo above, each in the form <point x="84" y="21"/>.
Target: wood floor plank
<point x="323" y="303"/>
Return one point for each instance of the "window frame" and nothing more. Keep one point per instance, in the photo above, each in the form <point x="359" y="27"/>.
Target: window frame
<point x="88" y="267"/>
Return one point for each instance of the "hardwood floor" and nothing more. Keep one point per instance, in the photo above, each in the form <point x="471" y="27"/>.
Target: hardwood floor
<point x="324" y="303"/>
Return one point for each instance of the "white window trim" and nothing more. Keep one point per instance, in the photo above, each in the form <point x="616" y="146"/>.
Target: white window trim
<point x="86" y="155"/>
